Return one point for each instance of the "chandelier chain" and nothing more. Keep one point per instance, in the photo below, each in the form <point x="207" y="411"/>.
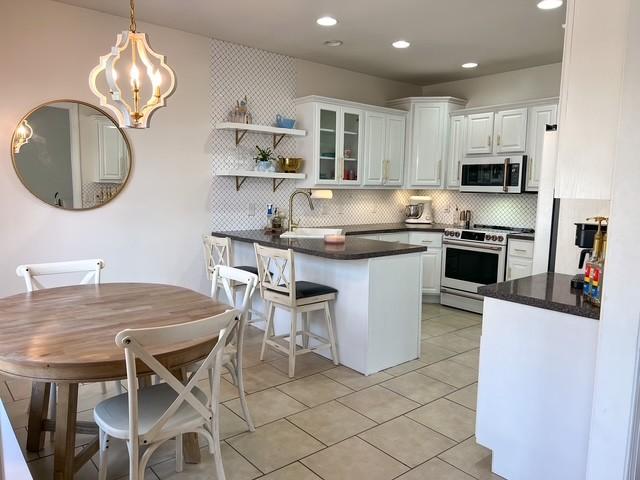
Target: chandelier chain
<point x="132" y="15"/>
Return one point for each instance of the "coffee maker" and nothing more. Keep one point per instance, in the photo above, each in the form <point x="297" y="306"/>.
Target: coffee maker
<point x="419" y="210"/>
<point x="585" y="239"/>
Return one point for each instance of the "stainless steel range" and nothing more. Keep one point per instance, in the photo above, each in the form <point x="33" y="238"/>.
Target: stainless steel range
<point x="472" y="258"/>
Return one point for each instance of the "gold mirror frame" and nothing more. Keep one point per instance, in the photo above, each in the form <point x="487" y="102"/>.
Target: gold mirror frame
<point x="86" y="104"/>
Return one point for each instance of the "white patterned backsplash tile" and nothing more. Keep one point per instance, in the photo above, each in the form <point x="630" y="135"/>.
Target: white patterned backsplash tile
<point x="269" y="82"/>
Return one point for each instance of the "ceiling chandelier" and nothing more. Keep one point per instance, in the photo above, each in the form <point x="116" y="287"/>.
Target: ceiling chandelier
<point x="142" y="74"/>
<point x="22" y="135"/>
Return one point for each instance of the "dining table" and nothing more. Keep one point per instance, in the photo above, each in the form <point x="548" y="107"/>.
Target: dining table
<point x="65" y="336"/>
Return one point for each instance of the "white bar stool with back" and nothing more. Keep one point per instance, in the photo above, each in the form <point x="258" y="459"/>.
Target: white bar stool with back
<point x="280" y="289"/>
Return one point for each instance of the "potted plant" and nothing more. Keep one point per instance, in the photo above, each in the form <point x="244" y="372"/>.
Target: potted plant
<point x="264" y="160"/>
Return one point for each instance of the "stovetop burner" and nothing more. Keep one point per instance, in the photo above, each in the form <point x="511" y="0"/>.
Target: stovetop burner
<point x="500" y="228"/>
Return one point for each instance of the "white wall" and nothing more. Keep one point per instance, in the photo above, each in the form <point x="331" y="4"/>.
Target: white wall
<point x="508" y="87"/>
<point x="151" y="232"/>
<point x="318" y="79"/>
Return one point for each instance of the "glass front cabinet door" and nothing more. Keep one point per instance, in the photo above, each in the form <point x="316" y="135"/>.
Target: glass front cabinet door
<point x="339" y="146"/>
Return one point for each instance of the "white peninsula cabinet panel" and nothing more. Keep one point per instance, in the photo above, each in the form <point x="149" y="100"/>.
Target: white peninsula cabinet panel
<point x="590" y="96"/>
<point x="384" y="149"/>
<point x="480" y="133"/>
<point x="455" y="150"/>
<point x="539" y="118"/>
<point x="427" y="140"/>
<point x="510" y="131"/>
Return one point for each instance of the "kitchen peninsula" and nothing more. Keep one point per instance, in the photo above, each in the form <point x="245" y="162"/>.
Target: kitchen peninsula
<point x="379" y="304"/>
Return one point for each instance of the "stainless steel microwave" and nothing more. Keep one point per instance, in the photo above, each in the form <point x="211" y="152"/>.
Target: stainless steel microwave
<point x="493" y="174"/>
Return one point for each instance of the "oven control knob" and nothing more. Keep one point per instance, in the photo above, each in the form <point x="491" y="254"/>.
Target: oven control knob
<point x="457" y="234"/>
<point x="500" y="238"/>
<point x="494" y="237"/>
<point x="447" y="234"/>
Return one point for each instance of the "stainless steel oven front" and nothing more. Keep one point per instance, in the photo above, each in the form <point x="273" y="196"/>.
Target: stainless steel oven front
<point x="467" y="265"/>
<point x="493" y="174"/>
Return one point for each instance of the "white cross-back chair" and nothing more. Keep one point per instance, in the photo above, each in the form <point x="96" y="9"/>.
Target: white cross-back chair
<point x="152" y="415"/>
<point x="280" y="289"/>
<point x="91" y="269"/>
<point x="224" y="279"/>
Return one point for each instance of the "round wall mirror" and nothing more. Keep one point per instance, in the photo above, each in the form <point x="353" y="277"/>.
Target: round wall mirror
<point x="71" y="155"/>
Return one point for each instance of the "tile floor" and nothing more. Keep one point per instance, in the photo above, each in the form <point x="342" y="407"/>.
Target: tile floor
<point x="414" y="421"/>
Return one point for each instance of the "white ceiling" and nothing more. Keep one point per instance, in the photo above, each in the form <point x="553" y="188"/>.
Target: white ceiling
<point x="500" y="35"/>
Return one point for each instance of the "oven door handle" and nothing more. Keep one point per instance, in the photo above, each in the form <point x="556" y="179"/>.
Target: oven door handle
<point x="495" y="248"/>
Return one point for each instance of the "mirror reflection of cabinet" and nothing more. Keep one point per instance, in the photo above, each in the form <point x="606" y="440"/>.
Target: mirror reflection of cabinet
<point x="74" y="156"/>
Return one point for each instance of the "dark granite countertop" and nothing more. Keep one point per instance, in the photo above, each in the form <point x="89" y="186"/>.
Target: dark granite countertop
<point x="352" y="249"/>
<point x="550" y="291"/>
<point x="372" y="228"/>
<point x="522" y="236"/>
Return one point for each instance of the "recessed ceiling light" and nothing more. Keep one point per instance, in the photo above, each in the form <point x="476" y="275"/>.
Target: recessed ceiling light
<point x="549" y="4"/>
<point x="326" y="21"/>
<point x="401" y="44"/>
<point x="469" y="65"/>
<point x="333" y="43"/>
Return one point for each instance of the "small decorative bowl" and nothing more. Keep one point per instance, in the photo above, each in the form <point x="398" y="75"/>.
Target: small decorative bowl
<point x="283" y="122"/>
<point x="335" y="239"/>
<point x="290" y="164"/>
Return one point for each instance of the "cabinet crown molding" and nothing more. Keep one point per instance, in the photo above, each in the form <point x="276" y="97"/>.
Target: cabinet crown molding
<point x="348" y="103"/>
<point x="507" y="106"/>
<point x="400" y="102"/>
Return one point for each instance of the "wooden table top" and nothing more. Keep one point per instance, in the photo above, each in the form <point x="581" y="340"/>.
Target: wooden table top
<point x="67" y="334"/>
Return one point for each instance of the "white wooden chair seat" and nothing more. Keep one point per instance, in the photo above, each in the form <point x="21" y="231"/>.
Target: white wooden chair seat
<point x="112" y="414"/>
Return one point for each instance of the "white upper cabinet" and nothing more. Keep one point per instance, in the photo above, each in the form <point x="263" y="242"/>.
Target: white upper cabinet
<point x="112" y="161"/>
<point x="455" y="150"/>
<point x="479" y="133"/>
<point x="427" y="139"/>
<point x="510" y="131"/>
<point x="539" y="118"/>
<point x="349" y="144"/>
<point x="590" y="97"/>
<point x="384" y="149"/>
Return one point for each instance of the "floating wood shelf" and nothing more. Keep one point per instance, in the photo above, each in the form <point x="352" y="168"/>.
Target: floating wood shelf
<point x="242" y="128"/>
<point x="242" y="175"/>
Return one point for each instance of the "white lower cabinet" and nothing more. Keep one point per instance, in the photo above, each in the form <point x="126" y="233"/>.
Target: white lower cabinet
<point x="519" y="259"/>
<point x="431" y="260"/>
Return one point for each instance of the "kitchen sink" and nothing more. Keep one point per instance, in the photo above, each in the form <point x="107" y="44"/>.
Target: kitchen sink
<point x="311" y="232"/>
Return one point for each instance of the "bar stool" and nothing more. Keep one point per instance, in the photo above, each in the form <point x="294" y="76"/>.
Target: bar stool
<point x="281" y="290"/>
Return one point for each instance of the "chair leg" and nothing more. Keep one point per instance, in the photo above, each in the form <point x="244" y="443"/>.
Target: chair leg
<point x="134" y="460"/>
<point x="118" y="386"/>
<point x="103" y="387"/>
<point x="217" y="453"/>
<point x="232" y="369"/>
<point x="53" y="401"/>
<point x="103" y="439"/>
<point x="267" y="329"/>
<point x="305" y="328"/>
<point x="243" y="398"/>
<point x="179" y="454"/>
<point x="332" y="337"/>
<point x="292" y="342"/>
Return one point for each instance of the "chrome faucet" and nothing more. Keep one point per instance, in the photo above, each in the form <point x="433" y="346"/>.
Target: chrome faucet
<point x="293" y="224"/>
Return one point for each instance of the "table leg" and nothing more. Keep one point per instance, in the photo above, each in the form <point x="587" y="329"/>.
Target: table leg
<point x="65" y="435"/>
<point x="190" y="444"/>
<point x="37" y="413"/>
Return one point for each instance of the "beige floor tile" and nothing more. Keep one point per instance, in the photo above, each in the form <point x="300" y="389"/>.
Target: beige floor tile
<point x="419" y="388"/>
<point x="431" y="310"/>
<point x="267" y="406"/>
<point x="228" y="391"/>
<point x="235" y="467"/>
<point x="355" y="380"/>
<point x="275" y="445"/>
<point x="451" y="372"/>
<point x="261" y="377"/>
<point x="453" y="342"/>
<point x="306" y="365"/>
<point x="354" y="459"/>
<point x="407" y="441"/>
<point x="430" y="353"/>
<point x="472" y="458"/>
<point x="231" y="424"/>
<point x="20" y="389"/>
<point x="472" y="333"/>
<point x="432" y="328"/>
<point x="295" y="471"/>
<point x="18" y="413"/>
<point x="118" y="466"/>
<point x="405" y="368"/>
<point x="448" y="418"/>
<point x="251" y="356"/>
<point x="42" y="469"/>
<point x="90" y="394"/>
<point x="468" y="359"/>
<point x="378" y="403"/>
<point x="461" y="320"/>
<point x="5" y="394"/>
<point x="21" y="436"/>
<point x="314" y="390"/>
<point x="331" y="422"/>
<point x="467" y="396"/>
<point x="435" y="469"/>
